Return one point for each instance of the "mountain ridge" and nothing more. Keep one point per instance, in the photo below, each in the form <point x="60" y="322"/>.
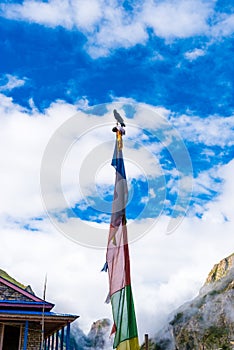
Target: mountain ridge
<point x="206" y="322"/>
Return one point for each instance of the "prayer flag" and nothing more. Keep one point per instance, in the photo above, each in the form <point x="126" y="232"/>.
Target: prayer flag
<point x="117" y="260"/>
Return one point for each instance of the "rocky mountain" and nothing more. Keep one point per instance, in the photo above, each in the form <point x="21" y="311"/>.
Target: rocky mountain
<point x="99" y="334"/>
<point x="97" y="338"/>
<point x="207" y="322"/>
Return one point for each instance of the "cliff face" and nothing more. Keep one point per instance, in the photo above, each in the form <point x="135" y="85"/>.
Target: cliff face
<point x="97" y="338"/>
<point x="220" y="270"/>
<point x="207" y="322"/>
<point x="99" y="334"/>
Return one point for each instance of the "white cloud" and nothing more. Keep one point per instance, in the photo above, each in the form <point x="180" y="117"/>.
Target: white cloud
<point x="194" y="54"/>
<point x="206" y="130"/>
<point x="63" y="12"/>
<point x="24" y="137"/>
<point x="224" y="26"/>
<point x="12" y="82"/>
<point x="207" y="182"/>
<point x="50" y="13"/>
<point x="221" y="209"/>
<point x="115" y="35"/>
<point x="87" y="14"/>
<point x="177" y="19"/>
<point x="107" y="25"/>
<point x="181" y="183"/>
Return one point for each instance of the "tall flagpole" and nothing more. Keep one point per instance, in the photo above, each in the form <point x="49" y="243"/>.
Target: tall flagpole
<point x="117" y="256"/>
<point x="43" y="315"/>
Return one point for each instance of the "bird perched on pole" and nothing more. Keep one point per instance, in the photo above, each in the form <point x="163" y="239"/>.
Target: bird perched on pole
<point x="118" y="118"/>
<point x="119" y="129"/>
<point x="120" y="121"/>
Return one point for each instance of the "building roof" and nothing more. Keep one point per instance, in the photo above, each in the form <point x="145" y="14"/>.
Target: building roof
<point x="29" y="298"/>
<point x="7" y="277"/>
<point x="19" y="304"/>
<point x="52" y="321"/>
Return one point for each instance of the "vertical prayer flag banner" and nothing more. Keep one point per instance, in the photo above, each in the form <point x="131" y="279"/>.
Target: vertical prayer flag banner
<point x="117" y="259"/>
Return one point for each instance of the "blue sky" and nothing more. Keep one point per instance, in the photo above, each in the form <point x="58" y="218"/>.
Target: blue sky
<point x="168" y="67"/>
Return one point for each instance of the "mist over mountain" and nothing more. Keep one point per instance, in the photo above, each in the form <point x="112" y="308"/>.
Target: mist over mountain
<point x="206" y="322"/>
